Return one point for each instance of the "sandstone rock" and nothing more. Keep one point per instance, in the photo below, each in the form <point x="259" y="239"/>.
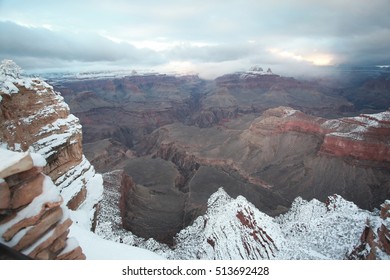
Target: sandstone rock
<point x="5" y="195"/>
<point x="25" y="193"/>
<point x="60" y="243"/>
<point x="55" y="244"/>
<point x="374" y="241"/>
<point x="76" y="201"/>
<point x="75" y="254"/>
<point x="384" y="242"/>
<point x="26" y="222"/>
<point x="22" y="163"/>
<point x="36" y="118"/>
<point x="24" y="176"/>
<point x="48" y="220"/>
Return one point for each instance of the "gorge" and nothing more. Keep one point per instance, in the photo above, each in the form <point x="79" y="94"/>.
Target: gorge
<point x="177" y="153"/>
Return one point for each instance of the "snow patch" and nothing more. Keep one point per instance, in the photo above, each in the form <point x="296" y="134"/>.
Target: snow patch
<point x="9" y="158"/>
<point x="11" y="79"/>
<point x="50" y="194"/>
<point x="38" y="160"/>
<point x="71" y="184"/>
<point x="96" y="248"/>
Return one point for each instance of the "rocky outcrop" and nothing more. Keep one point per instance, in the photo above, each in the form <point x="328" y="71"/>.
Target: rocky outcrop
<point x="375" y="239"/>
<point x="235" y="229"/>
<point x="34" y="117"/>
<point x="230" y="229"/>
<point x="33" y="217"/>
<point x="364" y="137"/>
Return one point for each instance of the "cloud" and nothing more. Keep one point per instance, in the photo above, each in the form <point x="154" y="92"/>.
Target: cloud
<point x="42" y="43"/>
<point x="202" y="35"/>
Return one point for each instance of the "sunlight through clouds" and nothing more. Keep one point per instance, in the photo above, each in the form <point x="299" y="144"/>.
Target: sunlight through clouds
<point x="318" y="59"/>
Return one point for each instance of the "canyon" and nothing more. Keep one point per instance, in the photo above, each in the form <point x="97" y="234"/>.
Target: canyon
<point x="174" y="140"/>
<point x="185" y="161"/>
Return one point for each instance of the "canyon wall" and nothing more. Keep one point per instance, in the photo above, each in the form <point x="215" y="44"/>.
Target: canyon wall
<point x="34" y="117"/>
<point x="35" y="120"/>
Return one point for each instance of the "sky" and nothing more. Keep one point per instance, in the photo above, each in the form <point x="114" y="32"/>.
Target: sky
<point x="207" y="37"/>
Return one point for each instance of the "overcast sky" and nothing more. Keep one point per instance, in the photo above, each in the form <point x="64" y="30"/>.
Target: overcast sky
<point x="209" y="37"/>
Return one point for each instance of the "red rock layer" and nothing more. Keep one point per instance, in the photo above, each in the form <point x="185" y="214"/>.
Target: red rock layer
<point x="33" y="220"/>
<point x="365" y="137"/>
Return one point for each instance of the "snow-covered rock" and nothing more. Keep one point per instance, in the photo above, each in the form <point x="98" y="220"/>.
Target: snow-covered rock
<point x="230" y="229"/>
<point x="38" y="134"/>
<point x="34" y="220"/>
<point x="35" y="118"/>
<point x="235" y="229"/>
<point x="254" y="72"/>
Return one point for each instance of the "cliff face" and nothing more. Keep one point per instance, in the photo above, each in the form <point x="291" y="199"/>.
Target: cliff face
<point x="151" y="204"/>
<point x="35" y="118"/>
<point x="125" y="109"/>
<point x="284" y="152"/>
<point x="235" y="229"/>
<point x="33" y="218"/>
<point x="365" y="137"/>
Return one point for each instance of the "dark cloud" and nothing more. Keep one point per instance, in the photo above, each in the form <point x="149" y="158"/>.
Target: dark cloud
<point x="220" y="34"/>
<point x="20" y="41"/>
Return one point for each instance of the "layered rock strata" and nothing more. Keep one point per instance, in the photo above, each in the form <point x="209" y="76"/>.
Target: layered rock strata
<point x="285" y="151"/>
<point x="34" y="117"/>
<point x="125" y="109"/>
<point x="33" y="218"/>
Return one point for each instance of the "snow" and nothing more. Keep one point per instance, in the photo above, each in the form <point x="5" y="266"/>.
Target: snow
<point x="289" y="111"/>
<point x="220" y="234"/>
<point x="9" y="158"/>
<point x="356" y="127"/>
<point x="70" y="121"/>
<point x="96" y="248"/>
<point x="38" y="160"/>
<point x="71" y="244"/>
<point x="56" y="135"/>
<point x="309" y="230"/>
<point x="11" y="78"/>
<point x="312" y="228"/>
<point x="71" y="183"/>
<point x="48" y="234"/>
<point x="50" y="194"/>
